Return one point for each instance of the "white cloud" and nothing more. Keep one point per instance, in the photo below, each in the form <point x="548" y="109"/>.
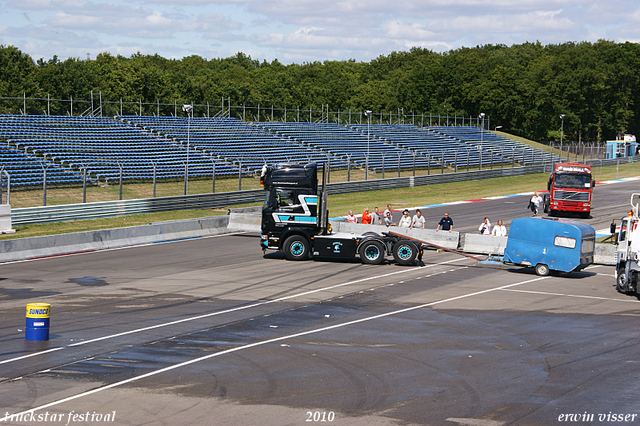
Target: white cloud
<point x="414" y="31"/>
<point x="304" y="30"/>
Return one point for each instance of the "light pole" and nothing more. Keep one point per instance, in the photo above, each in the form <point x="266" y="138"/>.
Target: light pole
<point x="189" y="110"/>
<point x="561" y="134"/>
<point x="481" y="137"/>
<point x="366" y="169"/>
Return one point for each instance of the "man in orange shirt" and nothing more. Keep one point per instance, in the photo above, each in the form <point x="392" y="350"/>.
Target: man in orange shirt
<point x="366" y="217"/>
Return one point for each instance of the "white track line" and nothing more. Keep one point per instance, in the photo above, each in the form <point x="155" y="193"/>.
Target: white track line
<point x="226" y="311"/>
<point x="8" y="417"/>
<point x="574" y="295"/>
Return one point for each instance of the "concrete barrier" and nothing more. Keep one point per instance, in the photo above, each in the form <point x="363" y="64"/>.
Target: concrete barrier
<point x="52" y="245"/>
<point x="605" y="254"/>
<point x="5" y="219"/>
<point x="244" y="222"/>
<point x="77" y="242"/>
<point x="483" y="244"/>
<point x="442" y="238"/>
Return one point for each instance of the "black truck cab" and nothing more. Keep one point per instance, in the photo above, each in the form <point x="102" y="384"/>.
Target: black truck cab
<point x="290" y="206"/>
<point x="295" y="221"/>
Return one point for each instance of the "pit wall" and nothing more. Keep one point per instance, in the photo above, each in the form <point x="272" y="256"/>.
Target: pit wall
<point x="78" y="242"/>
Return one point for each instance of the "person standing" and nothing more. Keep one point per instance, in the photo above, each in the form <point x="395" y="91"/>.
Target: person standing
<point x="446" y="223"/>
<point x="366" y="217"/>
<point x="387" y="210"/>
<point x="405" y="221"/>
<point x="418" y="220"/>
<point x="375" y="216"/>
<point x="351" y="217"/>
<point x="499" y="230"/>
<point x="536" y="201"/>
<point x="388" y="221"/>
<point x="485" y="227"/>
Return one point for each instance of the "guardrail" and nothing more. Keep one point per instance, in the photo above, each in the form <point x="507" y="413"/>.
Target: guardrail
<point x="106" y="209"/>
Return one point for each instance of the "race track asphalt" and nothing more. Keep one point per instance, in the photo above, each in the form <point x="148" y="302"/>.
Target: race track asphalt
<point x="211" y="331"/>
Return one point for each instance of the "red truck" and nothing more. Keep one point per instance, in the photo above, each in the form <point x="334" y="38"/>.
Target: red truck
<point x="570" y="190"/>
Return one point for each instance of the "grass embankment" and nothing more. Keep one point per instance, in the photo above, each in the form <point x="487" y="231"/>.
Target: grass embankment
<point x="338" y="204"/>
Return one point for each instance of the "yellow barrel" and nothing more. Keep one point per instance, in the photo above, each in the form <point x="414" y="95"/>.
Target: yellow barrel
<point x="38" y="315"/>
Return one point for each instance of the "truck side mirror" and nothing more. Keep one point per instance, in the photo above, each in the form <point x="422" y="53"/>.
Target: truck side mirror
<point x="612" y="227"/>
<point x="593" y="183"/>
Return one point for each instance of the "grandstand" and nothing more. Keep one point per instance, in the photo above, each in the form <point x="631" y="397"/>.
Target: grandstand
<point x="143" y="147"/>
<point x="425" y="143"/>
<point x="350" y="143"/>
<point x="234" y="141"/>
<point x="28" y="170"/>
<point x="103" y="147"/>
<point x="500" y="146"/>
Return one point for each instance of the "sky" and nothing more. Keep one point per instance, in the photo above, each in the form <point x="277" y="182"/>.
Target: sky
<point x="300" y="31"/>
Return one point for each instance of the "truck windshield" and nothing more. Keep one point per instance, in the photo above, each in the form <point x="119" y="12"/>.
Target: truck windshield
<point x="573" y="181"/>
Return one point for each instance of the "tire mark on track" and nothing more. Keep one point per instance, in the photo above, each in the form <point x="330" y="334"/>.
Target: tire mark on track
<point x="265" y="342"/>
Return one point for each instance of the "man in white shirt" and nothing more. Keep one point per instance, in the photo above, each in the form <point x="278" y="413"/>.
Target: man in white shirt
<point x="418" y="220"/>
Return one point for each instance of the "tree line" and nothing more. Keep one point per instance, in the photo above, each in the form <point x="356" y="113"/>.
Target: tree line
<point x="524" y="88"/>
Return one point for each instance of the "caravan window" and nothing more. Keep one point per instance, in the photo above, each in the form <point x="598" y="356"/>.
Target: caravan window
<point x="588" y="245"/>
<point x="564" y="242"/>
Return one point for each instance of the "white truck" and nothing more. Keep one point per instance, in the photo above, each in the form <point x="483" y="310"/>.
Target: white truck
<point x="628" y="249"/>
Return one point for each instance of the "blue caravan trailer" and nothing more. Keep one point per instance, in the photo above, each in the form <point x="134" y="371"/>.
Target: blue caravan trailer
<point x="546" y="244"/>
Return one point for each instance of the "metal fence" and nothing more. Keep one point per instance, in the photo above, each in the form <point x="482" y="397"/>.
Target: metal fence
<point x="106" y="209"/>
<point x="97" y="106"/>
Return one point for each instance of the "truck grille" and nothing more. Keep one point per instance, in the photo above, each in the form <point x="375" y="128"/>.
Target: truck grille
<point x="570" y="196"/>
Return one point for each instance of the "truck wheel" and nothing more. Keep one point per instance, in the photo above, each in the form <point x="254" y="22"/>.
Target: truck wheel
<point x="371" y="252"/>
<point x="296" y="247"/>
<point x="542" y="269"/>
<point x="545" y="203"/>
<point x="620" y="281"/>
<point x="404" y="252"/>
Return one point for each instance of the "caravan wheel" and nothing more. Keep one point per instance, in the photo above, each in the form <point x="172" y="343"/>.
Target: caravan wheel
<point x="542" y="269"/>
